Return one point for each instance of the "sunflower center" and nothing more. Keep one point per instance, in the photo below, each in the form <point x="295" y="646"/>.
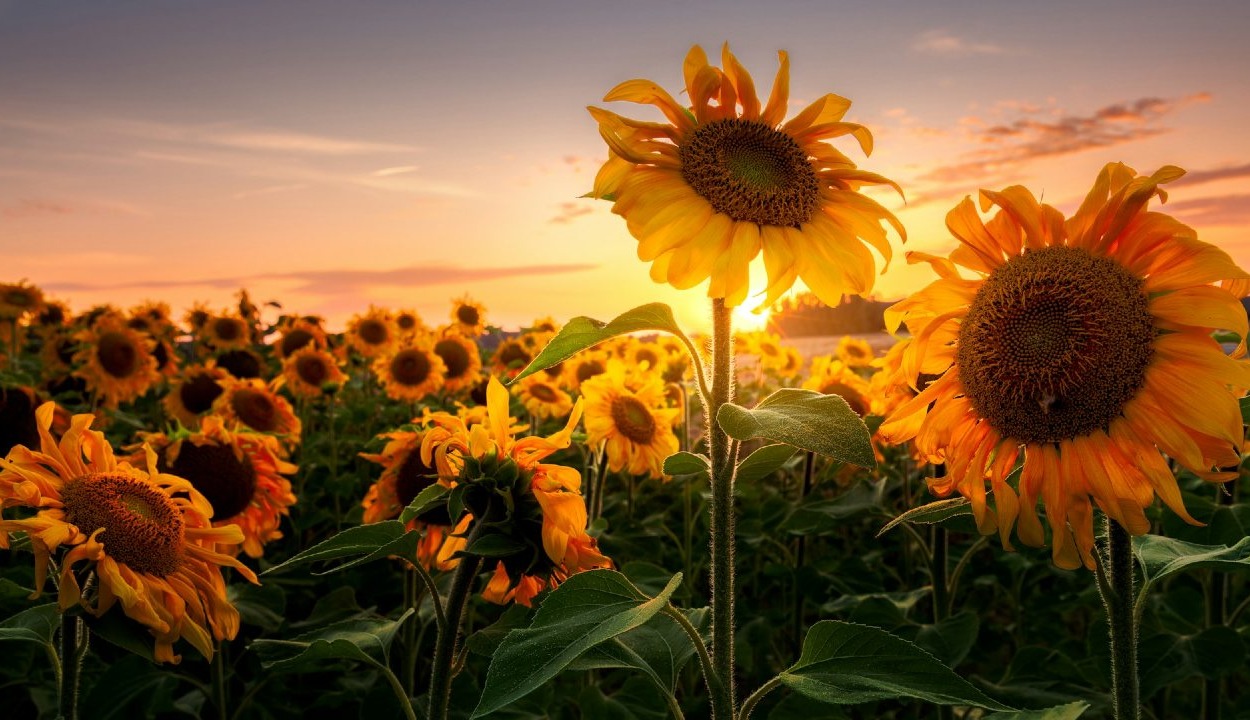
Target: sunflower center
<point x="454" y="356"/>
<point x="544" y="392"/>
<point x="373" y="332"/>
<point x="227" y="329"/>
<point x="633" y="419"/>
<point x="410" y="367"/>
<point x="255" y="409"/>
<point x="847" y="393"/>
<point x="554" y="371"/>
<point x="1055" y="343"/>
<point x="468" y="315"/>
<point x="406" y="321"/>
<point x="589" y="369"/>
<point x="750" y="172"/>
<point x="118" y="355"/>
<point x="295" y="340"/>
<point x="312" y="370"/>
<point x="198" y="393"/>
<point x="142" y="527"/>
<point x="226" y="480"/>
<point x="648" y="356"/>
<point x="242" y="364"/>
<point x="511" y="354"/>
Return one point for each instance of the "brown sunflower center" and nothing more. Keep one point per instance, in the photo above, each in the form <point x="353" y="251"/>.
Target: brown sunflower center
<point x="295" y="340"/>
<point x="242" y="364"/>
<point x="512" y="354"/>
<point x="648" y="356"/>
<point x="373" y="331"/>
<point x="255" y="409"/>
<point x="544" y="392"/>
<point x="142" y="527"/>
<point x="198" y="318"/>
<point x="588" y="369"/>
<point x="198" y="393"/>
<point x="468" y="315"/>
<point x="410" y="367"/>
<point x="849" y="394"/>
<point x="1055" y="342"/>
<point x="454" y="356"/>
<point x="312" y="370"/>
<point x="554" y="371"/>
<point x="406" y="321"/>
<point x="227" y="329"/>
<point x="226" y="480"/>
<point x="750" y="172"/>
<point x="633" y="419"/>
<point x="118" y="355"/>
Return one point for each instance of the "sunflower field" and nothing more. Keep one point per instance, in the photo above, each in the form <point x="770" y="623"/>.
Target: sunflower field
<point x="1025" y="502"/>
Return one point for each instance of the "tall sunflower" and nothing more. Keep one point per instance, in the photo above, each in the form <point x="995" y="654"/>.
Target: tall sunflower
<point x="373" y="333"/>
<point x="226" y="332"/>
<point x="239" y="473"/>
<point x="1085" y="343"/>
<point x="145" y="535"/>
<point x="834" y="377"/>
<point x="296" y="334"/>
<point x="724" y="179"/>
<point x="633" y="424"/>
<point x="254" y="405"/>
<point x="115" y="361"/>
<point x="412" y="372"/>
<point x="855" y="352"/>
<point x="310" y="368"/>
<point x="192" y="394"/>
<point x="461" y="358"/>
<point x="409" y="323"/>
<point x="468" y="316"/>
<point x="544" y="397"/>
<point x="19" y="300"/>
<point x="583" y="366"/>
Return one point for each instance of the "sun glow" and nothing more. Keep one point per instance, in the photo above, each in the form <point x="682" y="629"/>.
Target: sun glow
<point x="746" y="319"/>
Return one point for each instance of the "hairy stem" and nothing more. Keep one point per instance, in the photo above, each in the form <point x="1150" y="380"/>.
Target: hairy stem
<point x="1115" y="584"/>
<point x="449" y="633"/>
<point x="723" y="469"/>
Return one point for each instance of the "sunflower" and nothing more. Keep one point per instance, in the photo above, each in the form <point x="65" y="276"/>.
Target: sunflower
<point x="647" y="355"/>
<point x="722" y="180"/>
<point x="834" y="377"/>
<point x="404" y="476"/>
<point x="855" y="352"/>
<point x="197" y="317"/>
<point x="546" y="325"/>
<point x="192" y="394"/>
<point x="308" y="370"/>
<point x="770" y="351"/>
<point x="409" y="323"/>
<point x="410" y="373"/>
<point x="144" y="535"/>
<point x="543" y="397"/>
<point x="373" y="333"/>
<point x="151" y="317"/>
<point x="1087" y="344"/>
<point x="461" y="358"/>
<point x="583" y="366"/>
<point x="19" y="300"/>
<point x="239" y="473"/>
<point x="115" y="361"/>
<point x="226" y="332"/>
<point x="511" y="357"/>
<point x="632" y="423"/>
<point x="253" y="405"/>
<point x="243" y="363"/>
<point x="468" y="316"/>
<point x="54" y="316"/>
<point x="297" y="334"/>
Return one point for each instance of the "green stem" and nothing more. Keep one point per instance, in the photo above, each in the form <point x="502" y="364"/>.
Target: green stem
<point x="710" y="676"/>
<point x="723" y="539"/>
<point x="412" y="600"/>
<point x="953" y="583"/>
<point x="756" y="696"/>
<point x="800" y="551"/>
<point x="1217" y="593"/>
<point x="449" y="633"/>
<point x="940" y="544"/>
<point x="1115" y="584"/>
<point x="219" y="683"/>
<point x="73" y="650"/>
<point x="398" y="689"/>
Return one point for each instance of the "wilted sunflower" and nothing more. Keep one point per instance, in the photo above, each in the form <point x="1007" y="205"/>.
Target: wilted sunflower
<point x="226" y="332"/>
<point x="461" y="358"/>
<point x="722" y="180"/>
<point x="239" y="473"/>
<point x="468" y="316"/>
<point x="373" y="333"/>
<point x="254" y="405"/>
<point x="146" y="536"/>
<point x="410" y="373"/>
<point x="632" y="424"/>
<point x="115" y="361"/>
<point x="855" y="352"/>
<point x="19" y="300"/>
<point x="543" y="397"/>
<point x="834" y="377"/>
<point x="192" y="394"/>
<point x="308" y="369"/>
<point x="1086" y="342"/>
<point x="297" y="334"/>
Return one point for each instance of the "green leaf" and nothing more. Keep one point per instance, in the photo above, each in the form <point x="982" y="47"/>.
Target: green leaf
<point x="362" y="639"/>
<point x="37" y="624"/>
<point x="583" y="332"/>
<point x="118" y="629"/>
<point x="844" y="664"/>
<point x="816" y="515"/>
<point x="1071" y="711"/>
<point x="366" y="542"/>
<point x="426" y="500"/>
<point x="1218" y="651"/>
<point x="764" y="462"/>
<point x="806" y="419"/>
<point x="934" y="512"/>
<point x="684" y="463"/>
<point x="660" y="649"/>
<point x="1245" y="410"/>
<point x="587" y="609"/>
<point x="1161" y="556"/>
<point x="951" y="638"/>
<point x="261" y="605"/>
<point x="495" y="545"/>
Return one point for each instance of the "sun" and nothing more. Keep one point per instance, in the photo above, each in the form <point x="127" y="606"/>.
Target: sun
<point x="746" y="319"/>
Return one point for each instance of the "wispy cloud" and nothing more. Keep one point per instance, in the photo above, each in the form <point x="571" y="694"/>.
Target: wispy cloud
<point x="1219" y="210"/>
<point x="400" y="170"/>
<point x="269" y="190"/>
<point x="1228" y="172"/>
<point x="569" y="211"/>
<point x="32" y="208"/>
<point x="301" y="143"/>
<point x="942" y="42"/>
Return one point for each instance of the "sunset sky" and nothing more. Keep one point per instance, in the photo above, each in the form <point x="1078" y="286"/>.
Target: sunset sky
<point x="332" y="155"/>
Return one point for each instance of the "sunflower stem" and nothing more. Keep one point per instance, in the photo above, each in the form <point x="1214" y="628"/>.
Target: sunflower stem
<point x="800" y="551"/>
<point x="449" y="633"/>
<point x="73" y="650"/>
<point x="219" y="683"/>
<point x="723" y="469"/>
<point x="1116" y="587"/>
<point x="412" y="600"/>
<point x="1217" y="593"/>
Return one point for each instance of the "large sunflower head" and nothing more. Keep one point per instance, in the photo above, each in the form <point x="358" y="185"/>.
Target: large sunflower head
<point x="143" y="533"/>
<point x="253" y="405"/>
<point x="226" y="332"/>
<point x="725" y="179"/>
<point x="631" y="419"/>
<point x="296" y="334"/>
<point x="372" y="333"/>
<point x="192" y="394"/>
<point x="243" y="363"/>
<point x="411" y="372"/>
<point x="468" y="316"/>
<point x="1084" y="342"/>
<point x="115" y="361"/>
<point x="306" y="371"/>
<point x="461" y="358"/>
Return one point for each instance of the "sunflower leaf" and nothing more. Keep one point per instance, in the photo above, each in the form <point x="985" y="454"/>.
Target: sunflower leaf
<point x="806" y="419"/>
<point x="583" y="332"/>
<point x="589" y="608"/>
<point x="495" y="545"/>
<point x="426" y="500"/>
<point x="660" y="648"/>
<point x="934" y="512"/>
<point x="764" y="462"/>
<point x="844" y="664"/>
<point x="684" y="463"/>
<point x="1162" y="556"/>
<point x="37" y="624"/>
<point x="364" y="542"/>
<point x="1071" y="711"/>
<point x="1245" y="410"/>
<point x="363" y="639"/>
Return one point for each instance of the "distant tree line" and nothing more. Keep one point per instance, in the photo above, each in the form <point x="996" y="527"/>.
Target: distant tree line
<point x="804" y="315"/>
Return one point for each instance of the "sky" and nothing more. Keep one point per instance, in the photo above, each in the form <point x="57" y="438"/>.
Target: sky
<point x="330" y="155"/>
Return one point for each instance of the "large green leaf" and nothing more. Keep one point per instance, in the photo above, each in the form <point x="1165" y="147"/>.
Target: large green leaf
<point x="764" y="462"/>
<point x="587" y="609"/>
<point x="806" y="419"/>
<point x="426" y="500"/>
<point x="934" y="512"/>
<point x="844" y="664"/>
<point x="1071" y="711"/>
<point x="660" y="649"/>
<point x="685" y="463"/>
<point x="362" y="639"/>
<point x="582" y="332"/>
<point x="364" y="542"/>
<point x="37" y="624"/>
<point x="1161" y="556"/>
